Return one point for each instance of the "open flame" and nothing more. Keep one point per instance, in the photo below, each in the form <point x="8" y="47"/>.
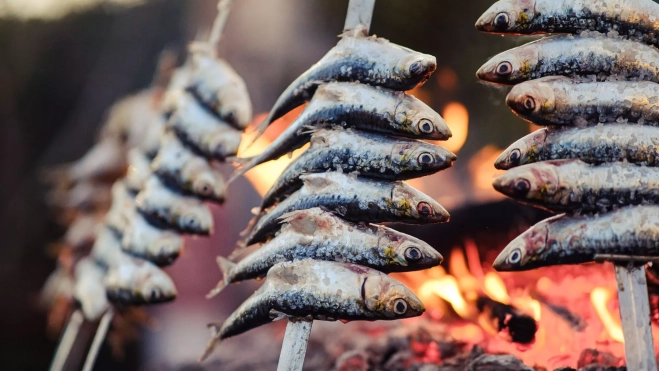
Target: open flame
<point x="575" y="307"/>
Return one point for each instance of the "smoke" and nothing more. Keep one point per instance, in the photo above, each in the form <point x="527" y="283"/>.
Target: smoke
<point x="53" y="9"/>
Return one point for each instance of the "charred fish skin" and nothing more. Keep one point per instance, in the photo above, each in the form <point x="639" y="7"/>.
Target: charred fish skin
<point x="574" y="56"/>
<point x="143" y="240"/>
<point x="356" y="199"/>
<point x="570" y="185"/>
<point x="367" y="59"/>
<point x="321" y="235"/>
<point x="562" y="101"/>
<point x="635" y="144"/>
<point x="637" y="19"/>
<point x="169" y="209"/>
<point x="180" y="168"/>
<point x="359" y="106"/>
<point x="370" y="155"/>
<point x="323" y="291"/>
<point x="633" y="231"/>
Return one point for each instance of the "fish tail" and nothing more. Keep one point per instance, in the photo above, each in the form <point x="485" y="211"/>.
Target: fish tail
<point x="260" y="129"/>
<point x="214" y="341"/>
<point x="226" y="266"/>
<point x="244" y="165"/>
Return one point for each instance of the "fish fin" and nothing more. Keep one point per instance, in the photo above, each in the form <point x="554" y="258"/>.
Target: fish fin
<point x="300" y="223"/>
<point x="242" y="245"/>
<point x="226" y="266"/>
<point x="344" y="321"/>
<point x="315" y="182"/>
<point x="214" y="341"/>
<point x="260" y="129"/>
<point x="358" y="31"/>
<point x="238" y="161"/>
<point x="276" y="315"/>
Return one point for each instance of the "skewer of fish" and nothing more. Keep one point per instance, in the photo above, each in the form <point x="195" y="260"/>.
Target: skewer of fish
<point x="313" y="229"/>
<point x="597" y="92"/>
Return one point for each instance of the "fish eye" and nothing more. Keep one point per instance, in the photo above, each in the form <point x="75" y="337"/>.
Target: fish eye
<point x="400" y="306"/>
<point x="529" y="103"/>
<point x="522" y="187"/>
<point x="155" y="294"/>
<point x="204" y="189"/>
<point x="424" y="209"/>
<point x="416" y="68"/>
<point x="190" y="220"/>
<point x="515" y="155"/>
<point x="425" y="126"/>
<point x="425" y="159"/>
<point x="501" y="21"/>
<point x="413" y="254"/>
<point x="515" y="257"/>
<point x="504" y="69"/>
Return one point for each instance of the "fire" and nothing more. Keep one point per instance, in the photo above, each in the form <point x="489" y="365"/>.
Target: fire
<point x="572" y="306"/>
<point x="600" y="297"/>
<point x="457" y="117"/>
<point x="482" y="172"/>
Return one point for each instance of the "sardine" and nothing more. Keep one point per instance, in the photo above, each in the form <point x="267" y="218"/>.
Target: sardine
<point x="372" y="155"/>
<point x="368" y="59"/>
<point x="321" y="235"/>
<point x="180" y="168"/>
<point x="89" y="290"/>
<point x="130" y="280"/>
<point x="219" y="88"/>
<point x="636" y="144"/>
<point x="570" y="185"/>
<point x="355" y="199"/>
<point x="560" y="100"/>
<point x="598" y="57"/>
<point x="122" y="202"/>
<point x="139" y="170"/>
<point x="358" y="106"/>
<point x="202" y="131"/>
<point x="637" y="19"/>
<point x="146" y="241"/>
<point x="182" y="213"/>
<point x="320" y="290"/>
<point x="80" y="234"/>
<point x="560" y="240"/>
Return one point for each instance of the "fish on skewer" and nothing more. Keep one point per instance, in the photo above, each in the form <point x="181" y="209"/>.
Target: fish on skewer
<point x="321" y="235"/>
<point x="219" y="87"/>
<point x="588" y="57"/>
<point x="166" y="208"/>
<point x="570" y="185"/>
<point x="635" y="144"/>
<point x="143" y="240"/>
<point x="636" y="19"/>
<point x="357" y="106"/>
<point x="560" y="240"/>
<point x="180" y="168"/>
<point x="139" y="170"/>
<point x="202" y="131"/>
<point x="320" y="290"/>
<point x="89" y="289"/>
<point x="356" y="57"/>
<point x="558" y="100"/>
<point x="129" y="280"/>
<point x="122" y="202"/>
<point x="371" y="155"/>
<point x="355" y="199"/>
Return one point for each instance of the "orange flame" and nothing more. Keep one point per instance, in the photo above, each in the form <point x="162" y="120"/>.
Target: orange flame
<point x="446" y="287"/>
<point x="600" y="297"/>
<point x="457" y="117"/>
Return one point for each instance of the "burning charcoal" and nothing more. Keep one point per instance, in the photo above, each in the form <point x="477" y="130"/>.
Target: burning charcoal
<point x="520" y="327"/>
<point x="352" y="361"/>
<point x="593" y="368"/>
<point x="492" y="362"/>
<point x="593" y="357"/>
<point x="573" y="319"/>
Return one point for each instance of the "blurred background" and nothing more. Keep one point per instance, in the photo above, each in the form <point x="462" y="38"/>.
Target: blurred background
<point x="64" y="62"/>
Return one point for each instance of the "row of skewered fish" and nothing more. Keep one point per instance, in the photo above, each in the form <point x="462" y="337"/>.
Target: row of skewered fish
<point x="313" y="239"/>
<point x="596" y="89"/>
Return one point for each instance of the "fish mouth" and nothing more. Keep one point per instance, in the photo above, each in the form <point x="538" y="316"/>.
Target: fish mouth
<point x="363" y="290"/>
<point x="500" y="264"/>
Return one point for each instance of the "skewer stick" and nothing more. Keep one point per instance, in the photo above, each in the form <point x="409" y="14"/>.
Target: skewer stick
<point x="101" y="331"/>
<point x="294" y="348"/>
<point x="66" y="342"/>
<point x="223" y="8"/>
<point x="635" y="314"/>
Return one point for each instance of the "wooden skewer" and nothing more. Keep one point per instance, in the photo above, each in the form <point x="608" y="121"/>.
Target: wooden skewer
<point x="101" y="331"/>
<point x="66" y="342"/>
<point x="223" y="9"/>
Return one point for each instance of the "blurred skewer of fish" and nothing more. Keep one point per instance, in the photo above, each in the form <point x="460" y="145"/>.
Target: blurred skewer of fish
<point x="148" y="242"/>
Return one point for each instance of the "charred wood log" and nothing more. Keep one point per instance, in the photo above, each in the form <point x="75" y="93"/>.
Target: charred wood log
<point x="507" y="319"/>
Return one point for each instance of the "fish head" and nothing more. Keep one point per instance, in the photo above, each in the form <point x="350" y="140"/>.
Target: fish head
<point x="531" y="100"/>
<point x="166" y="248"/>
<point x="415" y="67"/>
<point x="510" y="67"/>
<point x="508" y="16"/>
<point x="409" y="253"/>
<point x="390" y="298"/>
<point x="523" y="151"/>
<point x="153" y="285"/>
<point x="419" y="120"/>
<point x="224" y="142"/>
<point x="417" y="205"/>
<point x="194" y="217"/>
<point x="533" y="182"/>
<point x="423" y="157"/>
<point x="204" y="181"/>
<point x="524" y="252"/>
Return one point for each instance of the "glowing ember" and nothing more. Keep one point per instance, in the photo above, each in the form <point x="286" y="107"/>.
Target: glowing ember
<point x="600" y="297"/>
<point x="495" y="288"/>
<point x="457" y="117"/>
